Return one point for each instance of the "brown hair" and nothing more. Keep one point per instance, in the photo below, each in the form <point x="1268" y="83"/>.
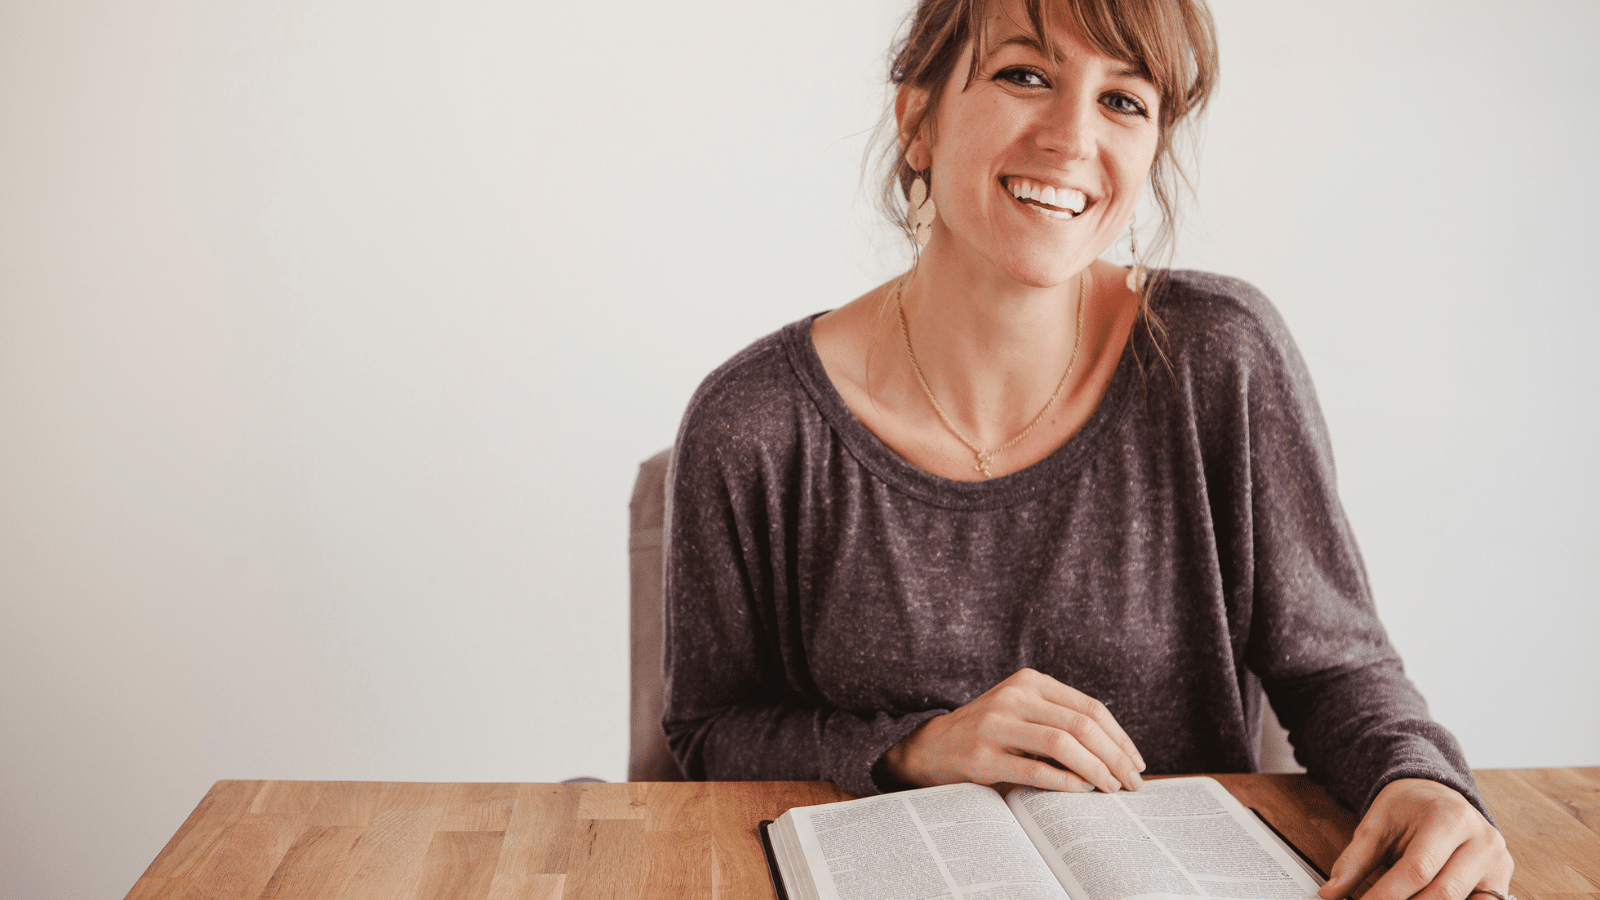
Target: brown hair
<point x="1171" y="42"/>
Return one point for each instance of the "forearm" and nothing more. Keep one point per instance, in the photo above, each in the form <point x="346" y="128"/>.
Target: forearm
<point x="781" y="741"/>
<point x="1357" y="731"/>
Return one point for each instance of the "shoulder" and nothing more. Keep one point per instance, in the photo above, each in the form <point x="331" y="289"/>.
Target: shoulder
<point x="1239" y="370"/>
<point x="752" y="399"/>
<point x="1221" y="327"/>
<point x="1204" y="311"/>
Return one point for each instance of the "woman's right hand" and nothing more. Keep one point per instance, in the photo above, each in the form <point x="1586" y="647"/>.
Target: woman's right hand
<point x="1006" y="733"/>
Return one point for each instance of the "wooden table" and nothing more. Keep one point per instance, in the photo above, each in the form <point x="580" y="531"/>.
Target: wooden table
<point x="311" y="840"/>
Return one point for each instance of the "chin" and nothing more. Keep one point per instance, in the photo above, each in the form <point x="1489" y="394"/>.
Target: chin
<point x="1050" y="271"/>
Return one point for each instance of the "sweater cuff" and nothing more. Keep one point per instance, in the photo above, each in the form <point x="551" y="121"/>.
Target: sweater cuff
<point x="859" y="769"/>
<point x="1448" y="778"/>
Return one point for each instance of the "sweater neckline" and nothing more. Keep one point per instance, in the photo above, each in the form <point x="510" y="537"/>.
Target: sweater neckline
<point x="1040" y="479"/>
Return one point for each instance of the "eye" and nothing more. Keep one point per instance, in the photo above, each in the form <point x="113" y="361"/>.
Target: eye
<point x="1022" y="76"/>
<point x="1126" y="104"/>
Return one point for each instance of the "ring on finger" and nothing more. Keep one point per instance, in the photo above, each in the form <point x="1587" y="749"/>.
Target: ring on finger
<point x="1491" y="891"/>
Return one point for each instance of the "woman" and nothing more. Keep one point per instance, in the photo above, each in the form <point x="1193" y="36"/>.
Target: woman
<point x="1021" y="515"/>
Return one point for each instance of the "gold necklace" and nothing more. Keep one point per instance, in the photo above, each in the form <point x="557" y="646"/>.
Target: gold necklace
<point x="984" y="457"/>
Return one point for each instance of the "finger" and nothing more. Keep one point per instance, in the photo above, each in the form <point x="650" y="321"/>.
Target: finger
<point x="1496" y="863"/>
<point x="1355" y="863"/>
<point x="1043" y="774"/>
<point x="1065" y="748"/>
<point x="1077" y="701"/>
<point x="1416" y="876"/>
<point x="1072" y="730"/>
<point x="1033" y="697"/>
<point x="1480" y="861"/>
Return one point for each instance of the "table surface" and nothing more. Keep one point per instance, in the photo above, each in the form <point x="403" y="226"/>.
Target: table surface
<point x="327" y="840"/>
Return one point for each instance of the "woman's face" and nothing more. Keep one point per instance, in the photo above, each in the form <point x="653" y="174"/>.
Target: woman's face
<point x="1038" y="164"/>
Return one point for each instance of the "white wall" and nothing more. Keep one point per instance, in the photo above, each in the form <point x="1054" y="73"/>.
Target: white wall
<point x="331" y="333"/>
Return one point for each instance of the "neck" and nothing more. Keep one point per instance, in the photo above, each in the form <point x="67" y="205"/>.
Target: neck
<point x="992" y="351"/>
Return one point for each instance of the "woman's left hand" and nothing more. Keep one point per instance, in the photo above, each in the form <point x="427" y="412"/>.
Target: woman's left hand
<point x="1441" y="846"/>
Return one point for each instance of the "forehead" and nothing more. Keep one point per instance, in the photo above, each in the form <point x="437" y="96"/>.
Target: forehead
<point x="1048" y="26"/>
<point x="1002" y="18"/>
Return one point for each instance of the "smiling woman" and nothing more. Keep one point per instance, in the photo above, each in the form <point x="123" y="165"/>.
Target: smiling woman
<point x="1174" y="46"/>
<point x="1028" y="124"/>
<point x="988" y="522"/>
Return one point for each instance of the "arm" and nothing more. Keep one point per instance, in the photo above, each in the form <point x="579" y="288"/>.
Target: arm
<point x="1314" y="637"/>
<point x="740" y="704"/>
<point x="1357" y="722"/>
<point x="1029" y="729"/>
<point x="1441" y="847"/>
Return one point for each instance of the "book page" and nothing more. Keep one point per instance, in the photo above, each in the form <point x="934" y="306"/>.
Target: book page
<point x="1181" y="837"/>
<point x="954" y="842"/>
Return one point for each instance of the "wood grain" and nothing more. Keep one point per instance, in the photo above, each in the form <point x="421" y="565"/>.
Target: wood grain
<point x="317" y="864"/>
<point x="395" y="847"/>
<point x="479" y="807"/>
<point x="288" y="840"/>
<point x="198" y="835"/>
<point x="459" y="866"/>
<point x="243" y="858"/>
<point x="1549" y="822"/>
<point x="607" y="861"/>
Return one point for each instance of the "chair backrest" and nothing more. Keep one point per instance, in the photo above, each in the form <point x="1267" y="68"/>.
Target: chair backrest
<point x="1277" y="754"/>
<point x="648" y="757"/>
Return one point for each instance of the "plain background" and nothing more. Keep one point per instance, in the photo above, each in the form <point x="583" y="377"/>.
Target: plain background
<point x="331" y="334"/>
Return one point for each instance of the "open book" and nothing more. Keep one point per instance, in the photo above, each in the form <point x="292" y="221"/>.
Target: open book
<point x="1178" y="837"/>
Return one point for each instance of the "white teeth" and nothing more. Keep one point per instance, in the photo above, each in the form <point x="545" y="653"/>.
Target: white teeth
<point x="1066" y="202"/>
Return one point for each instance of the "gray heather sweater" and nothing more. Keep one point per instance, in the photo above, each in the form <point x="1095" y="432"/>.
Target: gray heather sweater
<point x="1183" y="551"/>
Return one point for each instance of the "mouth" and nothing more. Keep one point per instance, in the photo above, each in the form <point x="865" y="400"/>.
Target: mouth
<point x="1055" y="202"/>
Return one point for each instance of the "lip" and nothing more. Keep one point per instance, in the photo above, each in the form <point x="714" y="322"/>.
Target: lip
<point x="1046" y="197"/>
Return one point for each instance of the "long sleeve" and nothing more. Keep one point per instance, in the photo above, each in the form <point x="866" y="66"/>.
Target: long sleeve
<point x="1183" y="551"/>
<point x="739" y="704"/>
<point x="1314" y="637"/>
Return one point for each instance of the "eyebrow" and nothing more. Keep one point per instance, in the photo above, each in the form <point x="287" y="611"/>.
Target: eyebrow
<point x="1024" y="39"/>
<point x="1033" y="43"/>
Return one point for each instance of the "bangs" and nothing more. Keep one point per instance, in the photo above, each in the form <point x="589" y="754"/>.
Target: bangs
<point x="1170" y="43"/>
<point x="1169" y="46"/>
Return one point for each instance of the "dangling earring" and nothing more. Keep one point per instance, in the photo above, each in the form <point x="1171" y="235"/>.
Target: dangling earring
<point x="1137" y="276"/>
<point x="922" y="211"/>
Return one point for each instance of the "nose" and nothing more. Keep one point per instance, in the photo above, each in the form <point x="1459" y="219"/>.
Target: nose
<point x="1069" y="127"/>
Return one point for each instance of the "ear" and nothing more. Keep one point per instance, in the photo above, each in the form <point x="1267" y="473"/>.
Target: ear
<point x="909" y="103"/>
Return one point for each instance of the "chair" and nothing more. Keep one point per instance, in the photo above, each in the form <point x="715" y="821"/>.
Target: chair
<point x="648" y="757"/>
<point x="1277" y="754"/>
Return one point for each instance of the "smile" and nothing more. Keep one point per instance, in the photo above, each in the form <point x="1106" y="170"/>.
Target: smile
<point x="1055" y="202"/>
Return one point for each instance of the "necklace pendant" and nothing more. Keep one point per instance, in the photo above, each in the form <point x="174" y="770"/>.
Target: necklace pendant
<point x="983" y="463"/>
<point x="984" y="457"/>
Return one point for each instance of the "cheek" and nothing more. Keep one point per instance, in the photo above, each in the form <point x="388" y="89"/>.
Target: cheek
<point x="964" y="189"/>
<point x="1133" y="165"/>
